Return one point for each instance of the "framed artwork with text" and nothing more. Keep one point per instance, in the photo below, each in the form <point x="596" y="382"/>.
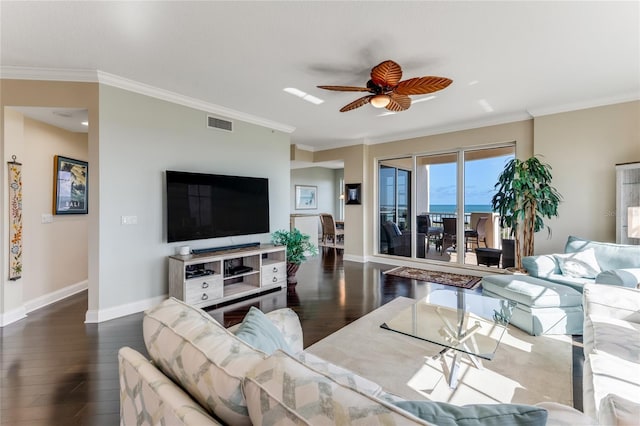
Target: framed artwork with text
<point x="70" y="186"/>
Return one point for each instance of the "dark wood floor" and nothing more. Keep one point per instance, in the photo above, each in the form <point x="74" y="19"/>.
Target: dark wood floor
<point x="56" y="370"/>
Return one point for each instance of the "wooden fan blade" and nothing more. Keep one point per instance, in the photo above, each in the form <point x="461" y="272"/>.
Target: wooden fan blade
<point x="345" y="88"/>
<point x="422" y="85"/>
<point x="398" y="102"/>
<point x="387" y="73"/>
<point x="356" y="104"/>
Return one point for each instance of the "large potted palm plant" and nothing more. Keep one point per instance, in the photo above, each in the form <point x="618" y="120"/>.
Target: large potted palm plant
<point x="298" y="245"/>
<point x="523" y="199"/>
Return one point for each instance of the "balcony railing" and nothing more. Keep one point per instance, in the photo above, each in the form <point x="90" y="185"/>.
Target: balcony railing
<point x="403" y="223"/>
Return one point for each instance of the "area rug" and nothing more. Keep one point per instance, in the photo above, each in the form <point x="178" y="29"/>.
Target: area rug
<point x="456" y="280"/>
<point x="526" y="369"/>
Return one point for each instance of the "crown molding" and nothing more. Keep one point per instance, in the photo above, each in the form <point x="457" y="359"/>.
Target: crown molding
<point x="306" y="147"/>
<point x="420" y="133"/>
<point x="592" y="103"/>
<point x="493" y="121"/>
<point x="176" y="98"/>
<point x="48" y="74"/>
<point x="97" y="76"/>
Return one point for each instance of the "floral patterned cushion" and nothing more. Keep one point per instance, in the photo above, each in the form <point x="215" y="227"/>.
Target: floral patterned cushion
<point x="208" y="361"/>
<point x="283" y="390"/>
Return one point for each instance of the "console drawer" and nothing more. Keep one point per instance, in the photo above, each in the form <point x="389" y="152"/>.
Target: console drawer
<point x="203" y="289"/>
<point x="273" y="273"/>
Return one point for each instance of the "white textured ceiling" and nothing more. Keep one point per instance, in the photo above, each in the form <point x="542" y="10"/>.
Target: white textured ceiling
<point x="518" y="58"/>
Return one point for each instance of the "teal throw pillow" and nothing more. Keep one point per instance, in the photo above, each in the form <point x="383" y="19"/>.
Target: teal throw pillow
<point x="258" y="331"/>
<point x="443" y="414"/>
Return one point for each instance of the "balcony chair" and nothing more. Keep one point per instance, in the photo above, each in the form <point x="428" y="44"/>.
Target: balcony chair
<point x="399" y="243"/>
<point x="449" y="231"/>
<point x="476" y="235"/>
<point x="434" y="233"/>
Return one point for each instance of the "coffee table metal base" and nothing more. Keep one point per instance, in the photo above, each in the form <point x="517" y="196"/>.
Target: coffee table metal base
<point x="457" y="338"/>
<point x="451" y="370"/>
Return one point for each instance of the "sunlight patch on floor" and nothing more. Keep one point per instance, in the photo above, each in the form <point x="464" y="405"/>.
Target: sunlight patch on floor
<point x="430" y="381"/>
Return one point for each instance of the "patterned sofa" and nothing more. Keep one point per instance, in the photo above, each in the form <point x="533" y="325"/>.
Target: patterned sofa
<point x="203" y="374"/>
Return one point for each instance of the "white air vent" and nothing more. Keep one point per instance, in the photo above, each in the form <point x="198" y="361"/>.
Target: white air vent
<point x="218" y="123"/>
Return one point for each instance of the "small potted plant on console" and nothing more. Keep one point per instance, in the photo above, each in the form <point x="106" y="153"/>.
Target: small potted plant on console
<point x="298" y="245"/>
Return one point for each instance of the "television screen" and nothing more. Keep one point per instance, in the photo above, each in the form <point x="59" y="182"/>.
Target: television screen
<point x="203" y="206"/>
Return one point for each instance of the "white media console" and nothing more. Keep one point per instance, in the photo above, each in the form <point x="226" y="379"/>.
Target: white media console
<point x="212" y="278"/>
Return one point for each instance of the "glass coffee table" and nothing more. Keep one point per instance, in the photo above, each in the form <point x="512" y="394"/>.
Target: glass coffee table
<point x="463" y="322"/>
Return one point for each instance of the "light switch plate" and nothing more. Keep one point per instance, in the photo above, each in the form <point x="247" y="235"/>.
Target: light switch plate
<point x="47" y="218"/>
<point x="129" y="220"/>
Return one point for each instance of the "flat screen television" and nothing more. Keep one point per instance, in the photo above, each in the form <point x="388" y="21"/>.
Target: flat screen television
<point x="201" y="206"/>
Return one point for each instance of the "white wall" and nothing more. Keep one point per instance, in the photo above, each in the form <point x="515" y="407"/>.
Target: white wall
<point x="55" y="254"/>
<point x="140" y="138"/>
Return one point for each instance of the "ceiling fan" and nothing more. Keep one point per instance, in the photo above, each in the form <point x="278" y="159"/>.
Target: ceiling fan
<point x="387" y="91"/>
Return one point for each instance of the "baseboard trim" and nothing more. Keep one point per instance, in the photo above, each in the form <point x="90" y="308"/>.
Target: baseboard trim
<point x="353" y="258"/>
<point x="101" y="315"/>
<point x="12" y="316"/>
<point x="55" y="296"/>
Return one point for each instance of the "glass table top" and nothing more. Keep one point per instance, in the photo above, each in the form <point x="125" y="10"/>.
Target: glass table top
<point x="456" y="319"/>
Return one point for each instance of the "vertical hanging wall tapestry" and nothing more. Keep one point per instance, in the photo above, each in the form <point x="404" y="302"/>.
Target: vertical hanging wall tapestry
<point x="15" y="219"/>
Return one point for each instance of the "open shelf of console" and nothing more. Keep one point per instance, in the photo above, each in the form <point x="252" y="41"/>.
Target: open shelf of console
<point x="212" y="278"/>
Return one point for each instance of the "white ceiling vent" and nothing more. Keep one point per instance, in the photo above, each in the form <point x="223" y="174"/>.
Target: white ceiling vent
<point x="218" y="123"/>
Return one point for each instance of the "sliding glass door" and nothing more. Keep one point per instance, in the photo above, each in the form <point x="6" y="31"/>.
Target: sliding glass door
<point x="451" y="212"/>
<point x="481" y="170"/>
<point x="394" y="198"/>
<point x="437" y="204"/>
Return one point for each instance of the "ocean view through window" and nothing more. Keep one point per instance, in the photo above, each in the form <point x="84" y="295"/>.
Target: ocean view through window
<point x="432" y="205"/>
<point x="451" y="208"/>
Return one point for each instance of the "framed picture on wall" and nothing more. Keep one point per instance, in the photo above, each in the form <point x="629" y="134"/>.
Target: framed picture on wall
<point x="70" y="186"/>
<point x="306" y="197"/>
<point x="352" y="193"/>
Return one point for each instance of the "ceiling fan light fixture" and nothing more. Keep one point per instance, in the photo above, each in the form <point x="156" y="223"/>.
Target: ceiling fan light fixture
<point x="380" y="101"/>
<point x="388" y="91"/>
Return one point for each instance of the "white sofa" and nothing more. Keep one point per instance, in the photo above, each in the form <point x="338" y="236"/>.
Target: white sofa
<point x="611" y="339"/>
<point x="203" y="374"/>
<point x="587" y="262"/>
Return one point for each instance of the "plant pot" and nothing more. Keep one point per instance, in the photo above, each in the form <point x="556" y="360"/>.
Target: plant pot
<point x="508" y="253"/>
<point x="292" y="268"/>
